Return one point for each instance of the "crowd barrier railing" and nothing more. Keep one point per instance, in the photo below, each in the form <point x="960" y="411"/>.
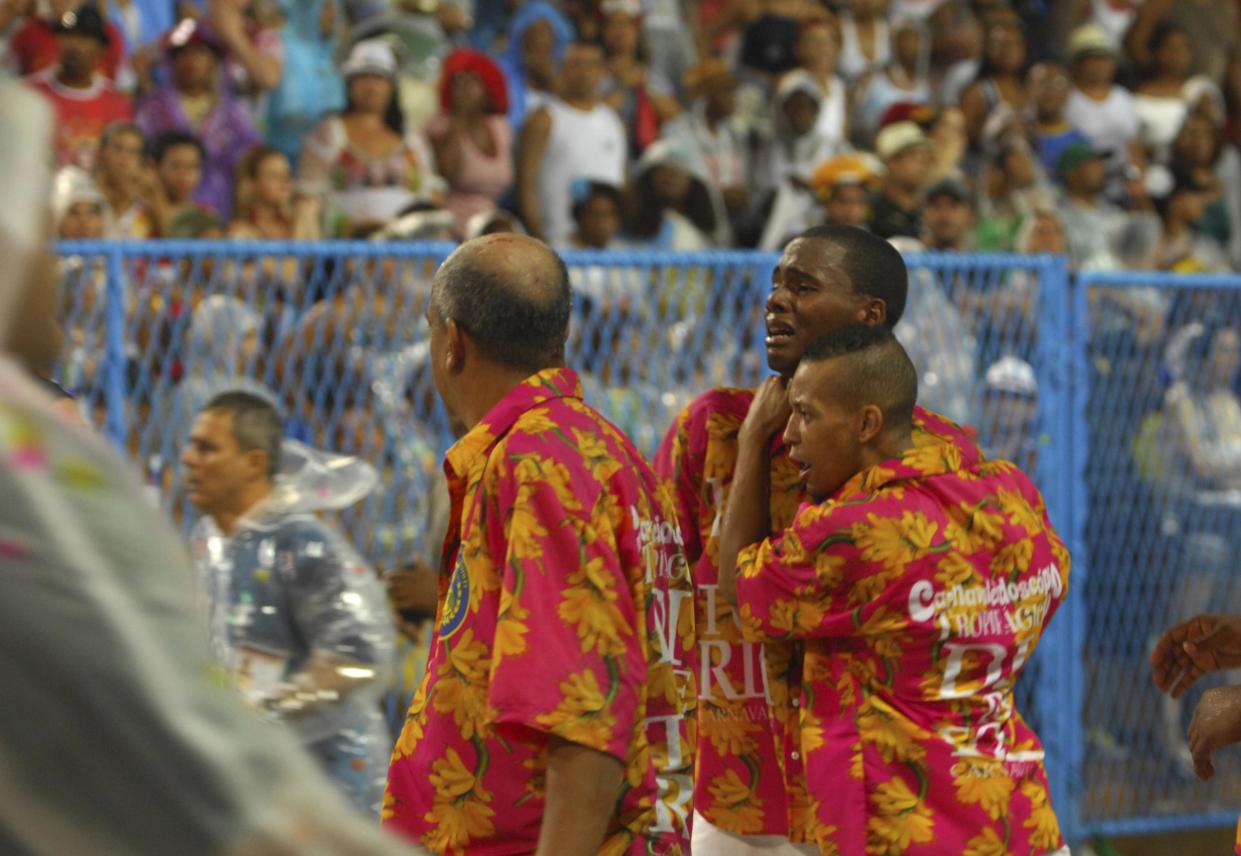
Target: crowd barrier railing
<point x="1013" y="346"/>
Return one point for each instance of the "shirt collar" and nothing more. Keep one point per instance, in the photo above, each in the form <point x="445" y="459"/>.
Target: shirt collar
<point x="940" y="446"/>
<point x="535" y="390"/>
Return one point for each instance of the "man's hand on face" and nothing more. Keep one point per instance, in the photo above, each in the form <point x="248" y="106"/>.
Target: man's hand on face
<point x="769" y="412"/>
<point x="1205" y="643"/>
<point x="1216" y="724"/>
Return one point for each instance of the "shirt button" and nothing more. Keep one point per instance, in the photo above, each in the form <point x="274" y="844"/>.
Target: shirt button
<point x="796" y="702"/>
<point x="795" y="755"/>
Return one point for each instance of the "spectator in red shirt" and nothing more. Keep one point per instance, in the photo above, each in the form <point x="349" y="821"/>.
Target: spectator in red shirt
<point x="36" y="45"/>
<point x="85" y="101"/>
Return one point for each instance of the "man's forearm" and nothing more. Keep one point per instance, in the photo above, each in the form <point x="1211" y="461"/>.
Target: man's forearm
<point x="746" y="520"/>
<point x="582" y="787"/>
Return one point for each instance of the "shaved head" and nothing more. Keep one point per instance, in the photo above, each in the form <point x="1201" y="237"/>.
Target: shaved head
<point x="878" y="371"/>
<point x="511" y="294"/>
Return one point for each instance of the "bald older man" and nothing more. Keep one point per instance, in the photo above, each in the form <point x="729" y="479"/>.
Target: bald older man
<point x="554" y="712"/>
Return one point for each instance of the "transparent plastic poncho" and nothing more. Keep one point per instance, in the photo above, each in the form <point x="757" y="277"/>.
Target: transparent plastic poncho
<point x="300" y="621"/>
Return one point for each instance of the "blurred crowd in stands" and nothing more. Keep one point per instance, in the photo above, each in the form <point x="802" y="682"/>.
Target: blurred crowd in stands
<point x="1100" y="128"/>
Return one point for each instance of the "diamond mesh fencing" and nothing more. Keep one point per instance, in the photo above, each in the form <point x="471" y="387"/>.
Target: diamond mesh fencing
<point x="1102" y="391"/>
<point x="1160" y="510"/>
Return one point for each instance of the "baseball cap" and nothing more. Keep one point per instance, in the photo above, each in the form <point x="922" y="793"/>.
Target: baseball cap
<point x="83" y="21"/>
<point x="950" y="186"/>
<point x="898" y="137"/>
<point x="844" y="170"/>
<point x="1074" y="155"/>
<point x="1090" y="39"/>
<point x="370" y="56"/>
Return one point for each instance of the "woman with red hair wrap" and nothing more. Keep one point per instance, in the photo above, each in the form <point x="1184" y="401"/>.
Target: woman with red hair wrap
<point x="471" y="135"/>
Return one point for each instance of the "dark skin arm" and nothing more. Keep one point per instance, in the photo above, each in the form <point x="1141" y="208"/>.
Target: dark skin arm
<point x="747" y="521"/>
<point x="582" y="787"/>
<point x="530" y="150"/>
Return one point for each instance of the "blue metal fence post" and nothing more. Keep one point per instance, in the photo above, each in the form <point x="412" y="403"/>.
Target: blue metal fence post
<point x="1076" y="309"/>
<point x="114" y="346"/>
<point x="1060" y="674"/>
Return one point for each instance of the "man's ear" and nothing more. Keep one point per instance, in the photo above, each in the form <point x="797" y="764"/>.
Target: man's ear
<point x="870" y="423"/>
<point x="256" y="463"/>
<point x="455" y="347"/>
<point x="873" y="312"/>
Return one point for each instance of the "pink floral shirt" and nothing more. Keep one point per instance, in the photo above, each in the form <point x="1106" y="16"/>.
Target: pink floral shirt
<point x="920" y="590"/>
<point x="749" y="777"/>
<point x="566" y="610"/>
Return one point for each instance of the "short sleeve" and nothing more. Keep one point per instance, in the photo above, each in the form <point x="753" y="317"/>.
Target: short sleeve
<point x="679" y="465"/>
<point x="567" y="658"/>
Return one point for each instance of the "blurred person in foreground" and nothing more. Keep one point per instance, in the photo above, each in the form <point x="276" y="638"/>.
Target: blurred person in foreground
<point x="296" y="616"/>
<point x="919" y="578"/>
<point x="555" y="713"/>
<point x="750" y="790"/>
<point x="117" y="737"/>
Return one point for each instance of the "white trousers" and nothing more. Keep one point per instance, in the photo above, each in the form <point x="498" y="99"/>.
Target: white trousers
<point x="710" y="840"/>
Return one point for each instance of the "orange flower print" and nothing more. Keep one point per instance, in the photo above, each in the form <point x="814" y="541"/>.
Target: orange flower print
<point x="984" y="787"/>
<point x="795" y="617"/>
<point x="582" y="715"/>
<point x="460" y="813"/>
<point x="898" y="819"/>
<point x="589" y="603"/>
<point x="895" y="541"/>
<point x="730" y="732"/>
<point x="987" y="843"/>
<point x="896" y="740"/>
<point x="734" y="805"/>
<point x="511" y="628"/>
<point x="1013" y="558"/>
<point x="602" y="464"/>
<point x="525" y="531"/>
<point x="1042" y="823"/>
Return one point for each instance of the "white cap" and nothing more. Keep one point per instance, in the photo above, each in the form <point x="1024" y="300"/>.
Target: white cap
<point x="1012" y="375"/>
<point x="370" y="56"/>
<point x="1090" y="38"/>
<point x="897" y="137"/>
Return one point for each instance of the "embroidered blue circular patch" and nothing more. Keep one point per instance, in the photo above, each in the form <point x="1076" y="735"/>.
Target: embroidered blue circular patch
<point x="457" y="603"/>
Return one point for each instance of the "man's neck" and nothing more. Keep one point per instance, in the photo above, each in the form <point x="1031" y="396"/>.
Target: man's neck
<point x="119" y="198"/>
<point x="891" y="447"/>
<point x="1084" y="197"/>
<point x="75" y="81"/>
<point x="245" y="502"/>
<point x="486" y="392"/>
<point x="901" y="197"/>
<point x="585" y="103"/>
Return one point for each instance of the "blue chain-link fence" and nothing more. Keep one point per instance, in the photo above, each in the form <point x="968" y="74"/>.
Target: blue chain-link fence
<point x="1156" y="364"/>
<point x="1067" y="381"/>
